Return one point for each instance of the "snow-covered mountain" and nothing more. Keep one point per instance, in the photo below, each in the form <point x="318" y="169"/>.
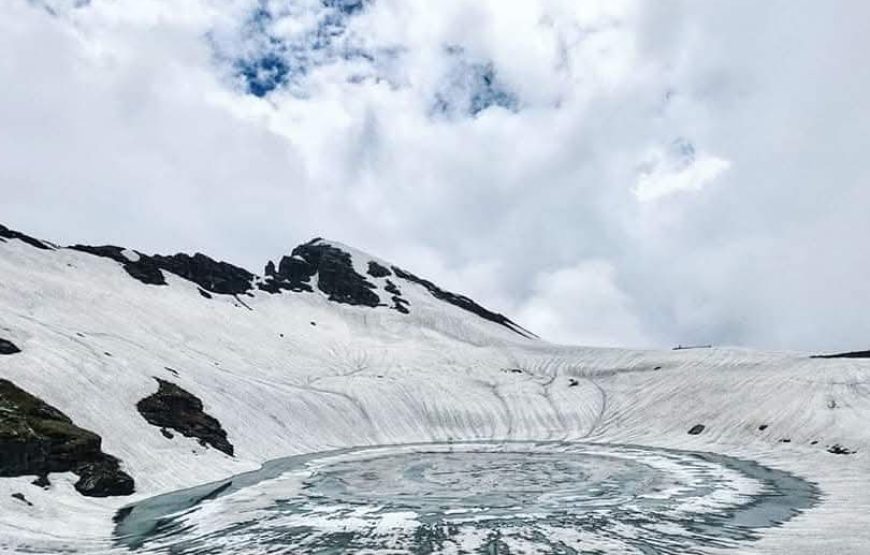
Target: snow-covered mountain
<point x="125" y="375"/>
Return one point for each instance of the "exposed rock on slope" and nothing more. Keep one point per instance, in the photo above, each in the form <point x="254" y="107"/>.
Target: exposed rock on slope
<point x="8" y="348"/>
<point x="852" y="354"/>
<point x="462" y="302"/>
<point x="211" y="275"/>
<point x="335" y="274"/>
<point x="134" y="263"/>
<point x="174" y="408"/>
<point x="6" y="233"/>
<point x="337" y="277"/>
<point x="378" y="270"/>
<point x="36" y="438"/>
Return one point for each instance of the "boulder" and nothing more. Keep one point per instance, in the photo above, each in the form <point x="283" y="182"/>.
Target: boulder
<point x="173" y="408"/>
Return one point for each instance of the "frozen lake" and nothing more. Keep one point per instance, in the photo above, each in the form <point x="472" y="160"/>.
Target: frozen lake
<point x="487" y="497"/>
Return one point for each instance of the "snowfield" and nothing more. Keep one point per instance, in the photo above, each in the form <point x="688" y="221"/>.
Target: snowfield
<point x="295" y="373"/>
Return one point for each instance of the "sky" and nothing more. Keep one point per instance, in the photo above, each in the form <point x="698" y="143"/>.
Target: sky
<point x="605" y="172"/>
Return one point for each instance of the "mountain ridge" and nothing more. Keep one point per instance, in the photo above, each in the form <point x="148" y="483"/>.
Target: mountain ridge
<point x="183" y="386"/>
<point x="330" y="262"/>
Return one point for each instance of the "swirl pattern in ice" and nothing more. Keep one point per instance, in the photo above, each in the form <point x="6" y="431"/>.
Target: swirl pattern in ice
<point x="476" y="498"/>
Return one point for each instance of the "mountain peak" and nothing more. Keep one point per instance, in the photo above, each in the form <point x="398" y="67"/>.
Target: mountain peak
<point x="342" y="273"/>
<point x="349" y="276"/>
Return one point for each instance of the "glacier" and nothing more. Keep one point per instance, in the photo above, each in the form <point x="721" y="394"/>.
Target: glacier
<point x="374" y="394"/>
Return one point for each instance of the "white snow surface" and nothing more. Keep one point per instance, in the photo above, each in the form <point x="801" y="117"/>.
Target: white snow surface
<point x="93" y="339"/>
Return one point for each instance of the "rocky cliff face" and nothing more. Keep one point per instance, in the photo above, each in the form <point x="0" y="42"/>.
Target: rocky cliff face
<point x="36" y="439"/>
<point x="335" y="273"/>
<point x="209" y="274"/>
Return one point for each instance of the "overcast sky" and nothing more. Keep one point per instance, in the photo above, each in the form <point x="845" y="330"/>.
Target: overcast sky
<point x="607" y="172"/>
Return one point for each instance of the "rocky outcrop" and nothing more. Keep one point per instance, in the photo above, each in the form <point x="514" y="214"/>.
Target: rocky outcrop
<point x="852" y="354"/>
<point x="462" y="302"/>
<point x="174" y="408"/>
<point x="336" y="275"/>
<point x="400" y="304"/>
<point x="8" y="348"/>
<point x="211" y="275"/>
<point x="377" y="270"/>
<point x="36" y="439"/>
<point x="6" y="233"/>
<point x="139" y="266"/>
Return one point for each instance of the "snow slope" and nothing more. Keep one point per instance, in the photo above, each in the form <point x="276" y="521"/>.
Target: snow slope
<point x="294" y="373"/>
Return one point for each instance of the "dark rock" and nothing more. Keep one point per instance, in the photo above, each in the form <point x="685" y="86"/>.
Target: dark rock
<point x="392" y="289"/>
<point x="852" y="354"/>
<point x="336" y="275"/>
<point x="572" y="382"/>
<point x="785" y="440"/>
<point x="212" y="275"/>
<point x="209" y="274"/>
<point x="145" y="272"/>
<point x="697" y="429"/>
<point x="7" y="233"/>
<point x="814" y="442"/>
<point x="204" y="293"/>
<point x="144" y="269"/>
<point x="166" y="433"/>
<point x="174" y="408"/>
<point x="337" y="278"/>
<point x="36" y="439"/>
<point x="20" y="497"/>
<point x="240" y="303"/>
<point x="42" y="481"/>
<point x="293" y="273"/>
<point x="399" y="304"/>
<point x="462" y="302"/>
<point x="8" y="348"/>
<point x="838" y="449"/>
<point x="313" y="323"/>
<point x="378" y="271"/>
<point x="762" y="427"/>
<point x="101" y="478"/>
<point x="657" y="368"/>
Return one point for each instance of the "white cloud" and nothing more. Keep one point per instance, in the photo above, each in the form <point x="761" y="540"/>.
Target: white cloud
<point x="582" y="305"/>
<point x="666" y="172"/>
<point x="127" y="121"/>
